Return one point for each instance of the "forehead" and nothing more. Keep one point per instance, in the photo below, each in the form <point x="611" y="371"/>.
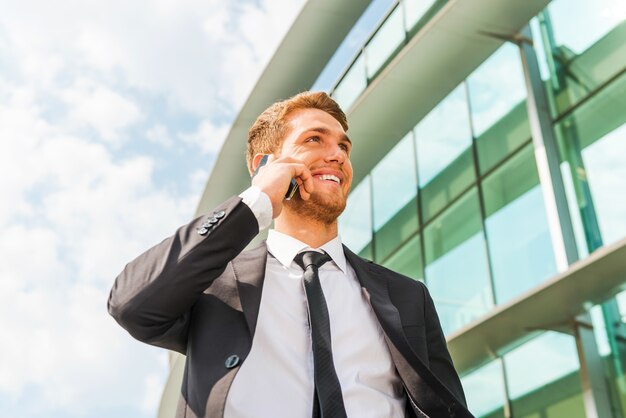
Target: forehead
<point x="303" y="119"/>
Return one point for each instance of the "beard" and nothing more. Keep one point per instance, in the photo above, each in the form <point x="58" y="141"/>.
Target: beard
<point x="320" y="207"/>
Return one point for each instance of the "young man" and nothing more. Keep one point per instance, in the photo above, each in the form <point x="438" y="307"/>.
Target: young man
<point x="299" y="326"/>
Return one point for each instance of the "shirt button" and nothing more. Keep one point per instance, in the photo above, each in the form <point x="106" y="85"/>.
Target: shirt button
<point x="232" y="361"/>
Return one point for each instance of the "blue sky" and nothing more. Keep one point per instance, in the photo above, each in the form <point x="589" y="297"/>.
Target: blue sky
<point x="111" y="114"/>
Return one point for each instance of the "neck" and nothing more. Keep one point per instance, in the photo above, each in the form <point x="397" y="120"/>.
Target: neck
<point x="312" y="232"/>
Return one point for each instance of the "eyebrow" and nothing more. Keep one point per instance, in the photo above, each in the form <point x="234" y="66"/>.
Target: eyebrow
<point x="325" y="131"/>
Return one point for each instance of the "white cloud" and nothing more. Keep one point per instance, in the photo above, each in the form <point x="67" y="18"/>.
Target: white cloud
<point x="97" y="106"/>
<point x="159" y="134"/>
<point x="207" y="137"/>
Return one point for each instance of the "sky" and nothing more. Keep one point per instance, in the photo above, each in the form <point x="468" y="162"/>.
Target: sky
<point x="111" y="115"/>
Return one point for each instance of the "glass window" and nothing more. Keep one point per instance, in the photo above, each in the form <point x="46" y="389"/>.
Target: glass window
<point x="352" y="85"/>
<point x="444" y="157"/>
<point x="457" y="273"/>
<point x="542" y="377"/>
<point x="582" y="57"/>
<point x="384" y="42"/>
<point x="517" y="230"/>
<point x="355" y="224"/>
<point x="485" y="392"/>
<point x="407" y="260"/>
<point x="394" y="181"/>
<point x="496" y="87"/>
<point x="414" y="10"/>
<point x="351" y="45"/>
<point x="592" y="141"/>
<point x="394" y="187"/>
<point x="598" y="17"/>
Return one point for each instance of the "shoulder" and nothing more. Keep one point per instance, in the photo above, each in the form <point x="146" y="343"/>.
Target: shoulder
<point x="397" y="282"/>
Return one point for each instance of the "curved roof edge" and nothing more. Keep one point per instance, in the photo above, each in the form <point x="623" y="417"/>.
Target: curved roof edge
<point x="313" y="38"/>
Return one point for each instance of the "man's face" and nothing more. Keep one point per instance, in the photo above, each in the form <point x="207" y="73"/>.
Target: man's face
<point x="318" y="139"/>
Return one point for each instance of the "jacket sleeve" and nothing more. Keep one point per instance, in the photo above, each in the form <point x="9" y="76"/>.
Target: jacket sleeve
<point x="438" y="354"/>
<point x="153" y="296"/>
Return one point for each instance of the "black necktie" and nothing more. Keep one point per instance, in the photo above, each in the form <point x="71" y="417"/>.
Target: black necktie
<point x="327" y="400"/>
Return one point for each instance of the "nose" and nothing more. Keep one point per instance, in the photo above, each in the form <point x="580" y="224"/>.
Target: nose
<point x="336" y="154"/>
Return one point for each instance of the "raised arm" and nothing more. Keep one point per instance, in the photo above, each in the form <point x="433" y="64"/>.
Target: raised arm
<point x="153" y="295"/>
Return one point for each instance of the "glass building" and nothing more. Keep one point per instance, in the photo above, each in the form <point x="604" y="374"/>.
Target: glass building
<point x="490" y="163"/>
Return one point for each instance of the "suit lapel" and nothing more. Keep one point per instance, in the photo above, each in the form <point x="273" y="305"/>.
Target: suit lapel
<point x="385" y="310"/>
<point x="249" y="268"/>
<point x="417" y="377"/>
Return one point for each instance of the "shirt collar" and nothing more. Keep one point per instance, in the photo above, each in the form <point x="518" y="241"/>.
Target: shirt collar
<point x="285" y="248"/>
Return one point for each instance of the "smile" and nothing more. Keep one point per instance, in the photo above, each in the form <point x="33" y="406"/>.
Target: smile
<point x="329" y="177"/>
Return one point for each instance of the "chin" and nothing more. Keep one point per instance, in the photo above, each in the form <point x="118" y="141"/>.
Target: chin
<point x="321" y="208"/>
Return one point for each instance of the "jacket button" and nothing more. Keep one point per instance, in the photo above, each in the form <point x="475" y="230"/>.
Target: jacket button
<point x="212" y="220"/>
<point x="202" y="230"/>
<point x="452" y="410"/>
<point x="232" y="361"/>
<point x="220" y="214"/>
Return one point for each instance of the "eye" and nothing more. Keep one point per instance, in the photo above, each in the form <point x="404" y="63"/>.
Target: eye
<point x="313" y="139"/>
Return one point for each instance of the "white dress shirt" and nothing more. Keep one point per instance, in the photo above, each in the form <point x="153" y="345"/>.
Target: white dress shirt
<point x="276" y="379"/>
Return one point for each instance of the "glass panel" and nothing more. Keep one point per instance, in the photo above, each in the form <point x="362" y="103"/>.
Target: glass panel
<point x="485" y="392"/>
<point x="394" y="181"/>
<point x="352" y="85"/>
<point x="351" y="45"/>
<point x="497" y="92"/>
<point x="444" y="157"/>
<point x="612" y="347"/>
<point x="543" y="379"/>
<point x="394" y="187"/>
<point x="384" y="43"/>
<point x="396" y="231"/>
<point x="407" y="260"/>
<point x="592" y="141"/>
<point x="582" y="57"/>
<point x="517" y="230"/>
<point x="355" y="224"/>
<point x="414" y="10"/>
<point x="456" y="263"/>
<point x="599" y="17"/>
<point x="503" y="137"/>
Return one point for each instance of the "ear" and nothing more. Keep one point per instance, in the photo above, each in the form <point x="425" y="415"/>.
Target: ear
<point x="256" y="160"/>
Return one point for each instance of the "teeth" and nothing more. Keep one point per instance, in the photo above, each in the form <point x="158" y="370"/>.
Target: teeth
<point x="329" y="177"/>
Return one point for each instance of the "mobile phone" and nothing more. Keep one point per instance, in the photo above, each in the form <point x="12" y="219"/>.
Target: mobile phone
<point x="293" y="185"/>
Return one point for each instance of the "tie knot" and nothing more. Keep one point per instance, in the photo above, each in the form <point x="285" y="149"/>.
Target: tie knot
<point x="308" y="258"/>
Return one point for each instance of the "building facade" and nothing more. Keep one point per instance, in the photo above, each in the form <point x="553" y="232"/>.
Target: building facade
<point x="490" y="163"/>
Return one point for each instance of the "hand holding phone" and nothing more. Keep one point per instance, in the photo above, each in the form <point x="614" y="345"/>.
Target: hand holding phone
<point x="293" y="185"/>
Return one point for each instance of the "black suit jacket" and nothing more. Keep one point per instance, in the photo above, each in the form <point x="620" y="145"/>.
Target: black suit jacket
<point x="200" y="295"/>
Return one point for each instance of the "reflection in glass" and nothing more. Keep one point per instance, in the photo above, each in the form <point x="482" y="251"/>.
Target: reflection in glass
<point x="496" y="87"/>
<point x="582" y="57"/>
<point x="456" y="263"/>
<point x="351" y="85"/>
<point x="599" y="17"/>
<point x="345" y="53"/>
<point x="407" y="260"/>
<point x="592" y="142"/>
<point x="444" y="157"/>
<point x="355" y="223"/>
<point x="394" y="181"/>
<point x="388" y="37"/>
<point x="394" y="187"/>
<point x="517" y="230"/>
<point x="542" y="378"/>
<point x="414" y="10"/>
<point x="485" y="392"/>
